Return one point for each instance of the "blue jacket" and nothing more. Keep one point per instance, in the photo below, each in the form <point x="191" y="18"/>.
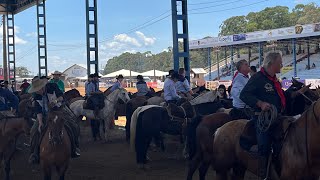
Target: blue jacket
<point x="8" y="100"/>
<point x="142" y="88"/>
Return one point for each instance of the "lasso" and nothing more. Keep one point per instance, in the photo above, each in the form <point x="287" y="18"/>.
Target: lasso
<point x="267" y="118"/>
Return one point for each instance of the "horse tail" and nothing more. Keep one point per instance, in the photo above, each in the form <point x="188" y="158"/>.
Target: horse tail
<point x="133" y="128"/>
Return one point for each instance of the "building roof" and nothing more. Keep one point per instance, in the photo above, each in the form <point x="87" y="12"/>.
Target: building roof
<point x="198" y="71"/>
<point x="124" y="72"/>
<point x="156" y="73"/>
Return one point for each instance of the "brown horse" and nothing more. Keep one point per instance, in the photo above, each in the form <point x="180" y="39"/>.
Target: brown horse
<point x="55" y="147"/>
<point x="204" y="138"/>
<point x="299" y="157"/>
<point x="10" y="129"/>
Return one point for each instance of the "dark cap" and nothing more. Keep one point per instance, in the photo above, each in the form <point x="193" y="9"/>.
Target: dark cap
<point x="175" y="75"/>
<point x="91" y="76"/>
<point x="140" y="77"/>
<point x="96" y="75"/>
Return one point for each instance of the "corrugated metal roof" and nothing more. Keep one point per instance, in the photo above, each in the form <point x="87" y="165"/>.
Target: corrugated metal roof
<point x="198" y="71"/>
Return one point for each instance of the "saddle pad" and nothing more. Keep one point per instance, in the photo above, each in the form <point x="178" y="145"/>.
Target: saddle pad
<point x="144" y="108"/>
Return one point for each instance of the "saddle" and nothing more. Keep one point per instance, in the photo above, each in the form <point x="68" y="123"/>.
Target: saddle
<point x="93" y="102"/>
<point x="248" y="138"/>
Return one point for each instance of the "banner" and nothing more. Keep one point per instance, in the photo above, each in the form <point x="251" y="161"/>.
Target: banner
<point x="239" y="37"/>
<point x="152" y="84"/>
<point x="284" y="70"/>
<point x="314" y="83"/>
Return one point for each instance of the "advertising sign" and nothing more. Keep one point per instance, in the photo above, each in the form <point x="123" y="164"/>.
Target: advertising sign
<point x="239" y="37"/>
<point x="287" y="83"/>
<point x="284" y="70"/>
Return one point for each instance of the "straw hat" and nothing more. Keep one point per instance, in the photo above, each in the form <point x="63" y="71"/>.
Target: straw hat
<point x="57" y="73"/>
<point x="37" y="84"/>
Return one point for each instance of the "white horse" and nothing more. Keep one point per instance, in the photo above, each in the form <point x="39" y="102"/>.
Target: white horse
<point x="107" y="113"/>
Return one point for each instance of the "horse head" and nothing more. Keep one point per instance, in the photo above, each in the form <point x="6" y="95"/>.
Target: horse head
<point x="55" y="127"/>
<point x="123" y="95"/>
<point x="210" y="96"/>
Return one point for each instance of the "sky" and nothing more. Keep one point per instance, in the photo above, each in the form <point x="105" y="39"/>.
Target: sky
<point x="123" y="26"/>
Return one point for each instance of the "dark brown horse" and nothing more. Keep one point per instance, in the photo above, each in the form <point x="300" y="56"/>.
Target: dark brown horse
<point x="204" y="138"/>
<point x="299" y="157"/>
<point x="131" y="106"/>
<point x="10" y="129"/>
<point x="55" y="147"/>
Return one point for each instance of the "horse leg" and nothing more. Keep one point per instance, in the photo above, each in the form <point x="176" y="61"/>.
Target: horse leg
<point x="239" y="171"/>
<point x="7" y="159"/>
<point x="221" y="175"/>
<point x="193" y="165"/>
<point x="203" y="170"/>
<point x="47" y="173"/>
<point x="62" y="170"/>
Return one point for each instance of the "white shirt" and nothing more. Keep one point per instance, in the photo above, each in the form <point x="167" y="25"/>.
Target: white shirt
<point x="237" y="85"/>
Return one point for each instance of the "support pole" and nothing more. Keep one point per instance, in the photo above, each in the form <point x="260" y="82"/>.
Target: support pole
<point x="209" y="63"/>
<point x="42" y="38"/>
<point x="218" y="66"/>
<point x="249" y="55"/>
<point x="5" y="65"/>
<point x="92" y="35"/>
<point x="184" y="37"/>
<point x="232" y="61"/>
<point x="11" y="47"/>
<point x="308" y="51"/>
<point x="225" y="56"/>
<point x="294" y="56"/>
<point x="260" y="53"/>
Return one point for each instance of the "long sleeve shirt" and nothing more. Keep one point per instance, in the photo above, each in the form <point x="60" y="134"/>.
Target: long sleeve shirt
<point x="6" y="98"/>
<point x="237" y="85"/>
<point x="183" y="85"/>
<point x="90" y="87"/>
<point x="170" y="92"/>
<point x="142" y="88"/>
<point x="116" y="86"/>
<point x="259" y="87"/>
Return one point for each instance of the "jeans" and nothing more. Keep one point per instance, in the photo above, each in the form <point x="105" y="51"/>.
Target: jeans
<point x="264" y="140"/>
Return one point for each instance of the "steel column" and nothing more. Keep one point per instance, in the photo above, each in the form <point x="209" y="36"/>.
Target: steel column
<point x="260" y="54"/>
<point x="11" y="47"/>
<point x="92" y="35"/>
<point x="308" y="51"/>
<point x="209" y="63"/>
<point x="42" y="38"/>
<point x="225" y="56"/>
<point x="249" y="55"/>
<point x="294" y="56"/>
<point x="5" y="62"/>
<point x="232" y="61"/>
<point x="184" y="37"/>
<point x="218" y="66"/>
<point x="238" y="53"/>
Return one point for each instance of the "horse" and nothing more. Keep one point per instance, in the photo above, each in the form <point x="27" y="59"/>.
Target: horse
<point x="298" y="157"/>
<point x="131" y="106"/>
<point x="11" y="128"/>
<point x="156" y="100"/>
<point x="107" y="113"/>
<point x="201" y="153"/>
<point x="55" y="147"/>
<point x="149" y="121"/>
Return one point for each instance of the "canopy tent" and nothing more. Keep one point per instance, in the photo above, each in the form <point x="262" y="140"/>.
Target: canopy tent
<point x="124" y="72"/>
<point x="155" y="73"/>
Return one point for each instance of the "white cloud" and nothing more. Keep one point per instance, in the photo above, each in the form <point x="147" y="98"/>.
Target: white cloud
<point x="124" y="38"/>
<point x="32" y="34"/>
<point x="56" y="63"/>
<point x="19" y="40"/>
<point x="146" y="40"/>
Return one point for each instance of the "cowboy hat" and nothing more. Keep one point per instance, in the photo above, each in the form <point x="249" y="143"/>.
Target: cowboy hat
<point x="37" y="84"/>
<point x="119" y="77"/>
<point x="25" y="80"/>
<point x="57" y="73"/>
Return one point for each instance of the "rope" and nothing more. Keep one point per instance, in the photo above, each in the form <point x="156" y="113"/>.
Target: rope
<point x="267" y="118"/>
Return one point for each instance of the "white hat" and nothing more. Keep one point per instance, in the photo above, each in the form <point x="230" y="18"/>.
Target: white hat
<point x="57" y="73"/>
<point x="37" y="84"/>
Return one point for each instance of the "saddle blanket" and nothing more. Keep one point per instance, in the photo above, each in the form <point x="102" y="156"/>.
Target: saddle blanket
<point x="141" y="109"/>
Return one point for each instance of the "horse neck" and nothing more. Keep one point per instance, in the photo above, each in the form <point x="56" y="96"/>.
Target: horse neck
<point x="113" y="96"/>
<point x="12" y="126"/>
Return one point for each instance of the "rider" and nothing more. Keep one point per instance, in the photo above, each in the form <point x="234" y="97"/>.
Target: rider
<point x="183" y="85"/>
<point x="8" y="100"/>
<point x="170" y="92"/>
<point x="93" y="95"/>
<point x="118" y="84"/>
<point x="24" y="86"/>
<point x="142" y="87"/>
<point x="56" y="79"/>
<point x="48" y="95"/>
<point x="241" y="79"/>
<point x="262" y="91"/>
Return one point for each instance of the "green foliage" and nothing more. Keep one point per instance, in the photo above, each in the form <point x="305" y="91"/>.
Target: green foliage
<point x="22" y="72"/>
<point x="271" y="18"/>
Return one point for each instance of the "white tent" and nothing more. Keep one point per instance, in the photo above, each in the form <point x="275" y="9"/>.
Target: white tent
<point x="155" y="73"/>
<point x="124" y="72"/>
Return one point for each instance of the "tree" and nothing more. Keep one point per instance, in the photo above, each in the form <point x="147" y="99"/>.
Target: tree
<point x="22" y="71"/>
<point x="233" y="25"/>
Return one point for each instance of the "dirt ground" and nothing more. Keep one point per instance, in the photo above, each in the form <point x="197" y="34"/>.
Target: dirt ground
<point x="112" y="161"/>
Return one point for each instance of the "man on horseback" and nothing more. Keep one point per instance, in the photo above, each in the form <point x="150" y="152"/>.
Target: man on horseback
<point x="239" y="110"/>
<point x="47" y="97"/>
<point x="94" y="97"/>
<point x="261" y="92"/>
<point x="142" y="87"/>
<point x="8" y="101"/>
<point x="170" y="92"/>
<point x="118" y="84"/>
<point x="182" y="85"/>
<point x="56" y="79"/>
